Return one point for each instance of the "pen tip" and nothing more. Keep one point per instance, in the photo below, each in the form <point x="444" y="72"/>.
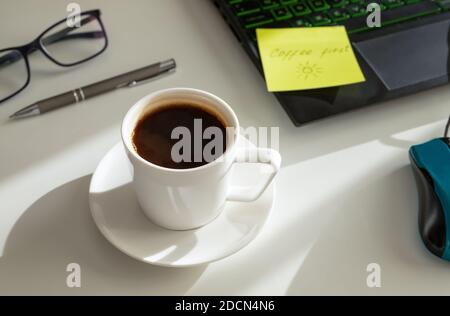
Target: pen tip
<point x="12" y="116"/>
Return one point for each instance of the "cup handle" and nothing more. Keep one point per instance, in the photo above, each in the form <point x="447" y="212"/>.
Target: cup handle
<point x="260" y="156"/>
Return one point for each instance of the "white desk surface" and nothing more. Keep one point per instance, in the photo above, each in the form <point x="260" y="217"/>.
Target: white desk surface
<point x="345" y="195"/>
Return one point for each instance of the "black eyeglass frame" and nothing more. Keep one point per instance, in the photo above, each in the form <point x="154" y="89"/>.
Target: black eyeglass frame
<point x="36" y="44"/>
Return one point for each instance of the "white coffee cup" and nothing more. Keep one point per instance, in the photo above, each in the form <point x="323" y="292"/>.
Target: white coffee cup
<point x="182" y="199"/>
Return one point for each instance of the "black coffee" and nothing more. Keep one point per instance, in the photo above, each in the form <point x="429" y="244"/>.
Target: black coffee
<point x="156" y="134"/>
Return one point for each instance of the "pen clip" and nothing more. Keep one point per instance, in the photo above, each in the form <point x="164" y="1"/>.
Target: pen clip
<point x="166" y="67"/>
<point x="135" y="83"/>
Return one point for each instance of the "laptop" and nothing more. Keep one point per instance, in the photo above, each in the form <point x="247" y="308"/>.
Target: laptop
<point x="407" y="54"/>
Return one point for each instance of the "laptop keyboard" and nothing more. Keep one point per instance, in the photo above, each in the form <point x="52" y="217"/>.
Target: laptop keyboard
<point x="350" y="13"/>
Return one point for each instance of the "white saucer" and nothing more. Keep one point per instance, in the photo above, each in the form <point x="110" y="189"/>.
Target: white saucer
<point x="118" y="216"/>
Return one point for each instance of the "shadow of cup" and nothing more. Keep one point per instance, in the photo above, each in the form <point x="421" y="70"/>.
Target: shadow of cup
<point x="58" y="230"/>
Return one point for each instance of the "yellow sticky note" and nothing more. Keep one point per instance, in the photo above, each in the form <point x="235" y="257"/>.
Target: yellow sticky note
<point x="307" y="58"/>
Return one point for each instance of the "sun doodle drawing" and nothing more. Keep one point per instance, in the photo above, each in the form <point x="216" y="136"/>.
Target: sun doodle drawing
<point x="307" y="70"/>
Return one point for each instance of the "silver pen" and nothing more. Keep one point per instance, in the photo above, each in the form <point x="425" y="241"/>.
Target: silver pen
<point x="128" y="79"/>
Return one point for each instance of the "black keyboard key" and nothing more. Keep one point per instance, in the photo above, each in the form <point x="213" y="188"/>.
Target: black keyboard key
<point x="318" y="5"/>
<point x="337" y="3"/>
<point x="269" y="4"/>
<point x="319" y="19"/>
<point x="257" y="20"/>
<point x="356" y="10"/>
<point x="246" y="7"/>
<point x="338" y="14"/>
<point x="288" y="1"/>
<point x="365" y="3"/>
<point x="300" y="9"/>
<point x="282" y="13"/>
<point x="280" y="24"/>
<point x="393" y="3"/>
<point x="302" y="22"/>
<point x="394" y="16"/>
<point x="383" y="7"/>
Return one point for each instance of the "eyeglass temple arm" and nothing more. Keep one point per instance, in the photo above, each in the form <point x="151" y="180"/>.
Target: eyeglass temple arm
<point x="58" y="36"/>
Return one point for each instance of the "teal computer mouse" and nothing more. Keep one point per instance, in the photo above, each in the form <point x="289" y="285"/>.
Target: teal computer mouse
<point x="430" y="163"/>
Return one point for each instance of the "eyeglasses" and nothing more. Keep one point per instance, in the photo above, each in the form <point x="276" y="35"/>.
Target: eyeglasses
<point x="64" y="45"/>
